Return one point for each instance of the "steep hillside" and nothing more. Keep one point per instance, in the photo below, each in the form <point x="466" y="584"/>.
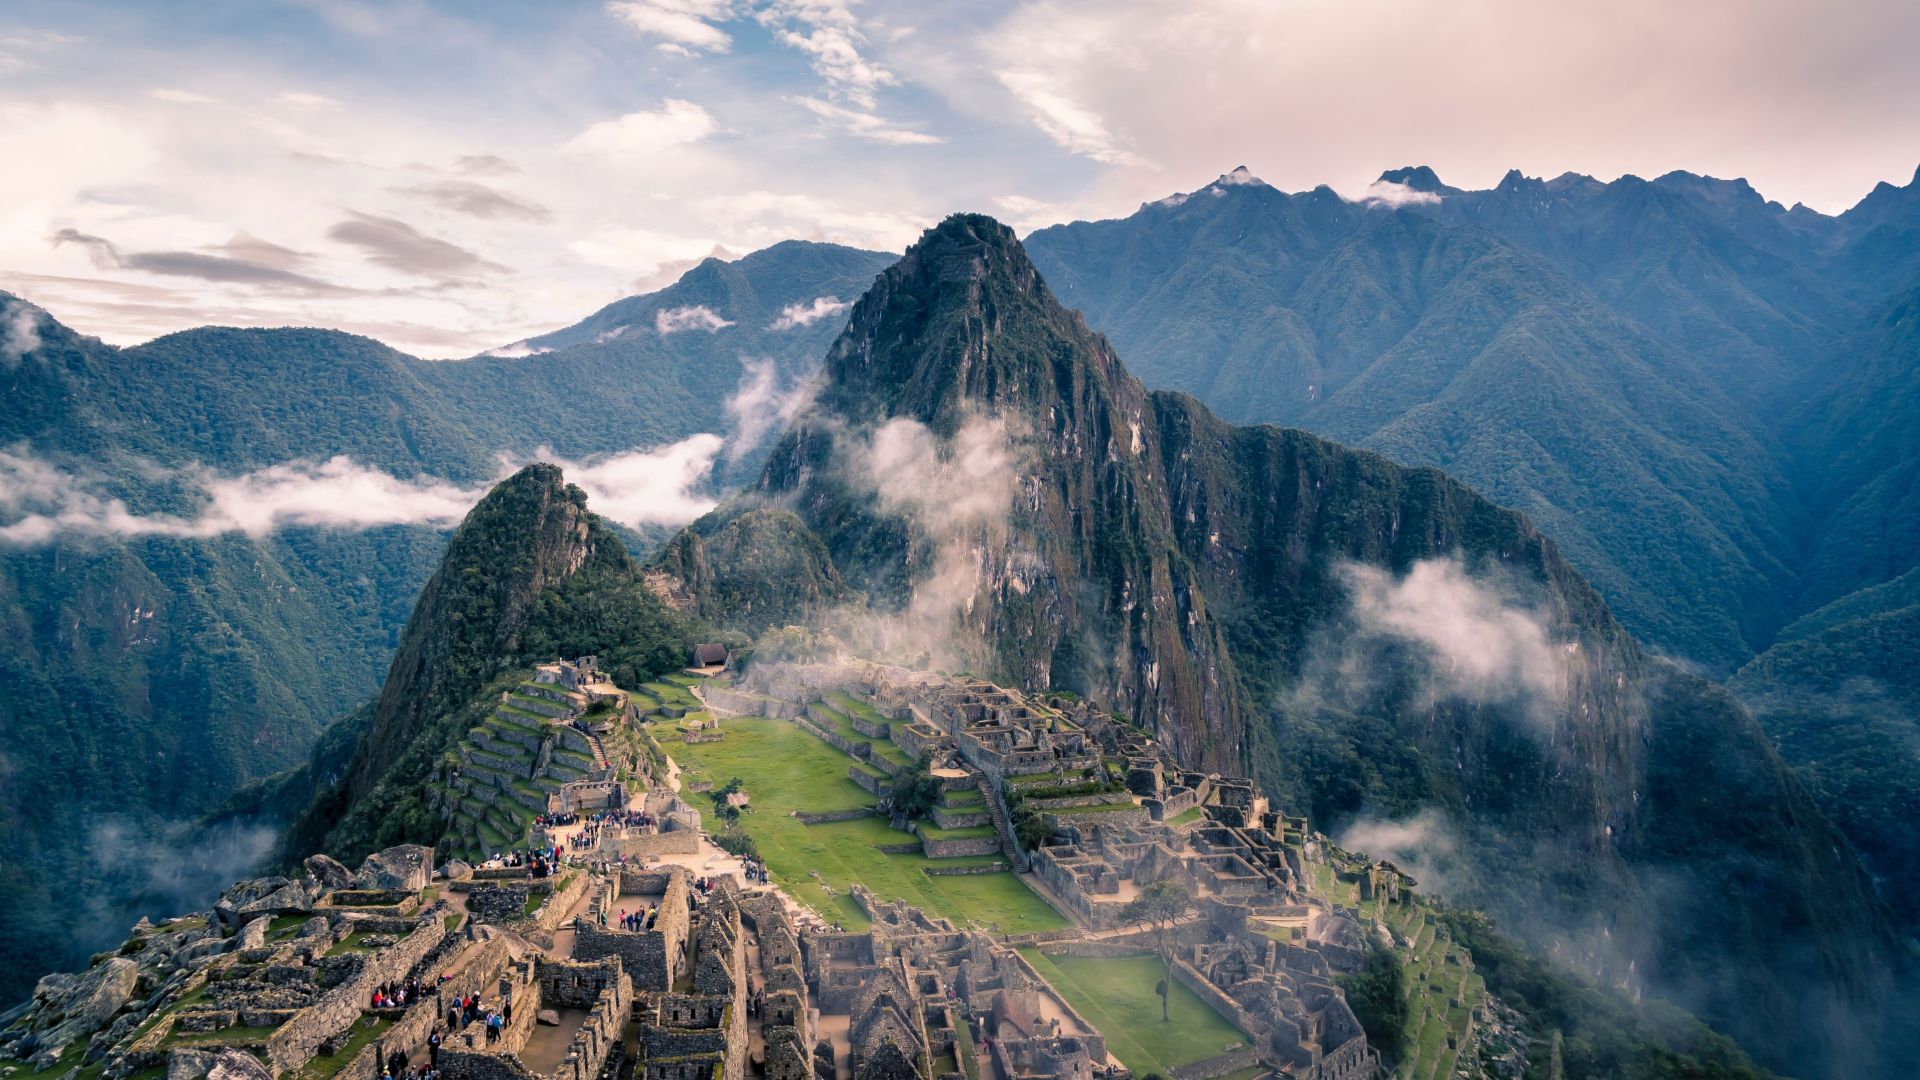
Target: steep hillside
<point x="1839" y="693"/>
<point x="1218" y="584"/>
<point x="529" y="576"/>
<point x="1440" y="343"/>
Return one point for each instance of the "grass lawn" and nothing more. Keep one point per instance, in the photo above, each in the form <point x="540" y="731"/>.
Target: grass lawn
<point x="784" y="768"/>
<point x="1116" y="996"/>
<point x="1189" y="815"/>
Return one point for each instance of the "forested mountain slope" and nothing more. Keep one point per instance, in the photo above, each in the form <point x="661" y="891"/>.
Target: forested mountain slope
<point x="146" y="677"/>
<point x="1237" y="590"/>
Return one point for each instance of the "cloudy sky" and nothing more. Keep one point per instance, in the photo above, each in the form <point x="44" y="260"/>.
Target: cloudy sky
<point x="450" y="177"/>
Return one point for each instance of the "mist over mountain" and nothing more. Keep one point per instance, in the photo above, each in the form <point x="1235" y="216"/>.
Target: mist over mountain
<point x="1370" y="639"/>
<point x="1698" y="401"/>
<point x="212" y="541"/>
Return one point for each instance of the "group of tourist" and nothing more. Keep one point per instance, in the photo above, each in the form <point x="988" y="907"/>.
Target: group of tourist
<point x="468" y="1010"/>
<point x="396" y="995"/>
<point x="396" y="1067"/>
<point x="589" y="835"/>
<point x="755" y="871"/>
<point x="636" y="920"/>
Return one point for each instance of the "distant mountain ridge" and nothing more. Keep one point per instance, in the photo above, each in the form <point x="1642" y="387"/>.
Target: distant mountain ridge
<point x="1614" y="358"/>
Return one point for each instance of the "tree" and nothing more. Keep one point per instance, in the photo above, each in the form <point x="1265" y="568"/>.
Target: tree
<point x="723" y="807"/>
<point x="1160" y="904"/>
<point x="916" y="791"/>
<point x="1378" y="995"/>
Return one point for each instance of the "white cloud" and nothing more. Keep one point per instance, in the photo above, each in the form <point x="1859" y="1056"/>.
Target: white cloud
<point x="647" y="487"/>
<point x="760" y="404"/>
<point x="42" y="502"/>
<point x="829" y="33"/>
<point x="515" y="351"/>
<point x="641" y="134"/>
<point x="690" y="317"/>
<point x="1069" y="123"/>
<point x="1389" y="193"/>
<point x="797" y="315"/>
<point x="19" y="333"/>
<point x="1482" y="646"/>
<point x="866" y="125"/>
<point x="181" y="97"/>
<point x="681" y="26"/>
<point x="303" y="100"/>
<point x="337" y="493"/>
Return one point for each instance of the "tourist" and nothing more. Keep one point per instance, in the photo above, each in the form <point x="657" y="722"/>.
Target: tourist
<point x="433" y="1047"/>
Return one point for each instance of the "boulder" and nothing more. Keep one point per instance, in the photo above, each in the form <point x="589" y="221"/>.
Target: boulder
<point x="547" y="1017"/>
<point x="314" y="927"/>
<point x="237" y="1065"/>
<point x="455" y="870"/>
<point x="289" y="899"/>
<point x="83" y="1004"/>
<point x="329" y="872"/>
<point x="405" y="867"/>
<point x="251" y="936"/>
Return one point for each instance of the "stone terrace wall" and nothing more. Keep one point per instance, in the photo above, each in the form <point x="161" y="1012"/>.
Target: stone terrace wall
<point x="561" y="903"/>
<point x="299" y="1038"/>
<point x="637" y="845"/>
<point x="949" y="849"/>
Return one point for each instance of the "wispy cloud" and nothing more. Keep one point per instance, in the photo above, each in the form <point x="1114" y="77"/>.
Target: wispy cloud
<point x="223" y="269"/>
<point x="829" y="33"/>
<point x="476" y="200"/>
<point x="806" y="314"/>
<point x="19" y="331"/>
<point x="639" y="135"/>
<point x="761" y="404"/>
<point x="1072" y="125"/>
<point x="396" y="245"/>
<point x="690" y="317"/>
<point x="866" y="125"/>
<point x="647" y="487"/>
<point x="680" y="27"/>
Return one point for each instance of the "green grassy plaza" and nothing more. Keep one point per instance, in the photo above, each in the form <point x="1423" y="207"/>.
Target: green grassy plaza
<point x="784" y="768"/>
<point x="1116" y="996"/>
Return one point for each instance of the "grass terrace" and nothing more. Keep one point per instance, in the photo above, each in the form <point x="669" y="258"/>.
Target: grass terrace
<point x="1188" y="816"/>
<point x="1116" y="996"/>
<point x="784" y="768"/>
<point x="365" y="1031"/>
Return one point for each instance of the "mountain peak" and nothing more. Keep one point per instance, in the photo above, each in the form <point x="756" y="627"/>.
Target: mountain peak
<point x="1239" y="176"/>
<point x="1417" y="177"/>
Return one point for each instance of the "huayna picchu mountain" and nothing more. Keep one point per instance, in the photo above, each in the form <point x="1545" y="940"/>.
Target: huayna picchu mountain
<point x="1370" y="640"/>
<point x="529" y="575"/>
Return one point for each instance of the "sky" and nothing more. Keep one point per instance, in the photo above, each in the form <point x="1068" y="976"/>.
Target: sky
<point x="453" y="177"/>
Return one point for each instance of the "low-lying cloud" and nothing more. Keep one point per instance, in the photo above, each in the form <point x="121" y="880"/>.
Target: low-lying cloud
<point x="1423" y="845"/>
<point x="19" y="332"/>
<point x="1391" y="193"/>
<point x="41" y="502"/>
<point x="1481" y="645"/>
<point x="761" y="404"/>
<point x="339" y="493"/>
<point x="794" y="316"/>
<point x="690" y="317"/>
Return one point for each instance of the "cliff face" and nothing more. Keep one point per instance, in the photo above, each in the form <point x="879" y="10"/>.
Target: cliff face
<point x="981" y="465"/>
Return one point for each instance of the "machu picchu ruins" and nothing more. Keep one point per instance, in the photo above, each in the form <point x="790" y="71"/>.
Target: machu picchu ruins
<point x="837" y="871"/>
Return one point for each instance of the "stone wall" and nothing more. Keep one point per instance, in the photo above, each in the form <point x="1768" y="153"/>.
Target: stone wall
<point x="645" y="846"/>
<point x="561" y="902"/>
<point x="604" y="990"/>
<point x="951" y="849"/>
<point x="650" y="958"/>
<point x="297" y="1040"/>
<point x="498" y="904"/>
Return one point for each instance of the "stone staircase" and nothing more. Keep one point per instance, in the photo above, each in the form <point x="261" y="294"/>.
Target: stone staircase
<point x="1002" y="825"/>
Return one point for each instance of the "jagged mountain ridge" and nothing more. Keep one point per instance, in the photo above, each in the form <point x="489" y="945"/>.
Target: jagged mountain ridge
<point x="1176" y="569"/>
